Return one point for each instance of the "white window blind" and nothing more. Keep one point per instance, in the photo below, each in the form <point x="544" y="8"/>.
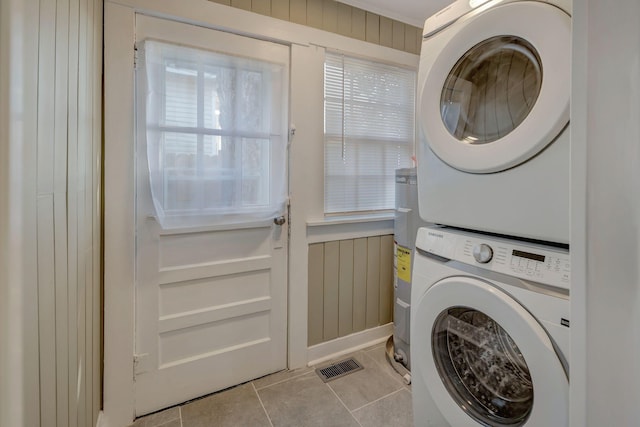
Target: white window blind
<point x="215" y="134"/>
<point x="369" y="131"/>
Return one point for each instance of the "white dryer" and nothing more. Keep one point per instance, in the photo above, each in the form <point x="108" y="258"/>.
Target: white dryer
<point x="489" y="331"/>
<point x="494" y="86"/>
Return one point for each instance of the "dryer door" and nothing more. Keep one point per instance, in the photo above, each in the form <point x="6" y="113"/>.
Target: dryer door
<point x="498" y="90"/>
<point x="485" y="359"/>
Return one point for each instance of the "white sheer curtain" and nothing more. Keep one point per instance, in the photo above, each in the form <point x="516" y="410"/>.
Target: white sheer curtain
<point x="215" y="135"/>
<point x="369" y="132"/>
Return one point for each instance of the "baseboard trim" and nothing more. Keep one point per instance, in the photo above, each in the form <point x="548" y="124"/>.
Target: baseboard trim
<point x="100" y="421"/>
<point x="340" y="346"/>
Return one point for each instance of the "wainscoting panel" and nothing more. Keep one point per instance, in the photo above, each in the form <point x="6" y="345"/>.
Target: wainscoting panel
<point x="350" y="286"/>
<point x="345" y="298"/>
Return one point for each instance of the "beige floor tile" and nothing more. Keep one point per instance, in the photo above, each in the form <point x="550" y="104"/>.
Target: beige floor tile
<point x="305" y="401"/>
<point x="238" y="406"/>
<point x="394" y="410"/>
<point x="365" y="386"/>
<point x="279" y="377"/>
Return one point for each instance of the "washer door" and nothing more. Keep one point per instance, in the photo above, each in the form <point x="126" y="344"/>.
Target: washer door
<point x="498" y="91"/>
<point x="485" y="359"/>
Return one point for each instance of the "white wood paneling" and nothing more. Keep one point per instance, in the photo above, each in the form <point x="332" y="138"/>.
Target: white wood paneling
<point x="47" y="310"/>
<point x="60" y="209"/>
<point x="46" y="242"/>
<point x="96" y="29"/>
<point x="58" y="157"/>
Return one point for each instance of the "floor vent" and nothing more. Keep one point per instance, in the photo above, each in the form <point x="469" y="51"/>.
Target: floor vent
<point x="339" y="369"/>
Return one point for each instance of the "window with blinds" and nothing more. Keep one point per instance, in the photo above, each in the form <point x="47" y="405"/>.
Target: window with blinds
<point x="369" y="129"/>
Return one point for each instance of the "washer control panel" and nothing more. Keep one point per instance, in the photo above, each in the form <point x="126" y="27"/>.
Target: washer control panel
<point x="536" y="262"/>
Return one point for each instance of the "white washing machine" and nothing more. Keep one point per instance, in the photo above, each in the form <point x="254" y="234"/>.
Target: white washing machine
<point x="489" y="331"/>
<point x="494" y="86"/>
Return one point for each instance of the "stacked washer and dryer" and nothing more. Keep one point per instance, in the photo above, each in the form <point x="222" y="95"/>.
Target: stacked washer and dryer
<point x="490" y="293"/>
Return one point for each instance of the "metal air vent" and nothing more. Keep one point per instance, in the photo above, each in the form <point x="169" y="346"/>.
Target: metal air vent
<point x="339" y="369"/>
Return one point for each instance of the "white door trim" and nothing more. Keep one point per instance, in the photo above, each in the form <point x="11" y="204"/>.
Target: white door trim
<point x="119" y="217"/>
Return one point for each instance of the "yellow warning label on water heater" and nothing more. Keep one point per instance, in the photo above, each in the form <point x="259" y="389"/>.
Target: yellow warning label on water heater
<point x="403" y="256"/>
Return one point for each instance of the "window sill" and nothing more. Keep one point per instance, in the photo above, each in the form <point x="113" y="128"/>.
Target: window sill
<point x="350" y="219"/>
<point x="349" y="227"/>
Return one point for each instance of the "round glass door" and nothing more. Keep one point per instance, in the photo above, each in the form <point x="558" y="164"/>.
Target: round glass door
<point x="494" y="88"/>
<point x="482" y="367"/>
<point x="491" y="89"/>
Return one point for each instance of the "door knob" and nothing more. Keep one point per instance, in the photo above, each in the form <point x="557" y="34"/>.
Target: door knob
<point x="279" y="220"/>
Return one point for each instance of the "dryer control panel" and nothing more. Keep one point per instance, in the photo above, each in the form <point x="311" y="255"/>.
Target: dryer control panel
<point x="539" y="263"/>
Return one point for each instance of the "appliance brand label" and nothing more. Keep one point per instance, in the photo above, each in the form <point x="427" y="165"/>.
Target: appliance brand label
<point x="403" y="262"/>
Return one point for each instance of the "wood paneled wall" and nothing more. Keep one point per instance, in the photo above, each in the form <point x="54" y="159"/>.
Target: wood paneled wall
<point x="339" y="18"/>
<point x="69" y="148"/>
<point x="350" y="286"/>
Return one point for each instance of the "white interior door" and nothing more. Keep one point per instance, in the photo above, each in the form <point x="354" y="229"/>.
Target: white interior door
<point x="211" y="178"/>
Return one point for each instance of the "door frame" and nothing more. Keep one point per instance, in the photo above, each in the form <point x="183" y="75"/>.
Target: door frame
<point x="307" y="59"/>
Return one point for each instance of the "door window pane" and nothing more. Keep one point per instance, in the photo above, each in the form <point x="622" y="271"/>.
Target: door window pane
<point x="215" y="135"/>
<point x="181" y="94"/>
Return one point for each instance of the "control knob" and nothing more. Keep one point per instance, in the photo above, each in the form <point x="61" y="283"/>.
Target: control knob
<point x="482" y="253"/>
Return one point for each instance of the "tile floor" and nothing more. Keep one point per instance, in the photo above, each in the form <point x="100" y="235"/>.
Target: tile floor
<point x="373" y="397"/>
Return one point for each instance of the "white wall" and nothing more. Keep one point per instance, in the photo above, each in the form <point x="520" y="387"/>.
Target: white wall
<point x="605" y="325"/>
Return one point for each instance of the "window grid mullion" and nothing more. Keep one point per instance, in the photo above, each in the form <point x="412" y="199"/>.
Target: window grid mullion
<point x="200" y="123"/>
<point x="237" y="143"/>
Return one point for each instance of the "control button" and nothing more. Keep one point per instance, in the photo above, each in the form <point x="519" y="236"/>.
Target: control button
<point x="482" y="253"/>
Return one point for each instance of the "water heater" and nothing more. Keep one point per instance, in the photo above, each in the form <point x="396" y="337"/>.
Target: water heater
<point x="407" y="222"/>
